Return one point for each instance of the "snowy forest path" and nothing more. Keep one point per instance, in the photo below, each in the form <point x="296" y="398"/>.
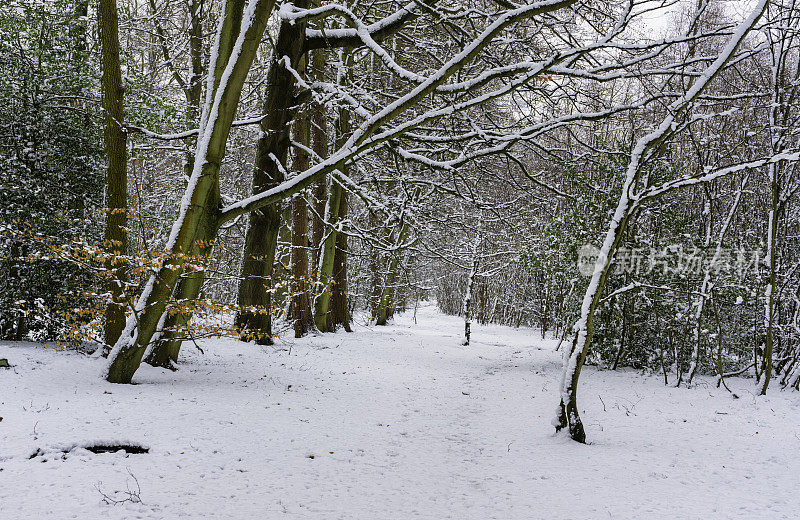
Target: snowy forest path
<point x="399" y="421"/>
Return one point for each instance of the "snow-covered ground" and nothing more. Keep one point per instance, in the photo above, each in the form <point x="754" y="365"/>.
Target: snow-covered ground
<point x="390" y="422"/>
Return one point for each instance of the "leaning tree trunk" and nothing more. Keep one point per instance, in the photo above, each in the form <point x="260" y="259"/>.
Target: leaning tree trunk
<point x="165" y="350"/>
<point x="576" y="356"/>
<point x="568" y="415"/>
<point x="116" y="237"/>
<point x="254" y="317"/>
<point x="235" y="47"/>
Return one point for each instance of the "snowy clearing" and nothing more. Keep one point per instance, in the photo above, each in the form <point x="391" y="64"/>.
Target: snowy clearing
<point x="387" y="422"/>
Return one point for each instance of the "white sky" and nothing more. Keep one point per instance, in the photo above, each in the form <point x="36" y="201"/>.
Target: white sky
<point x="658" y="22"/>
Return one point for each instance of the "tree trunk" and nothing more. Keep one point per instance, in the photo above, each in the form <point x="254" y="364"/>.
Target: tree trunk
<point x="195" y="90"/>
<point x="200" y="202"/>
<point x="254" y="317"/>
<point x="78" y="28"/>
<point x="325" y="270"/>
<point x="568" y="409"/>
<point x="301" y="303"/>
<point x="701" y="300"/>
<point x="282" y="270"/>
<point x="385" y="304"/>
<point x="254" y="314"/>
<point x="166" y="348"/>
<point x="116" y="237"/>
<point x="468" y="303"/>
<point x="319" y="133"/>
<point x="325" y="281"/>
<point x="708" y="284"/>
<point x="769" y="294"/>
<point x="339" y="313"/>
<point x="375" y="268"/>
<point x="467" y="307"/>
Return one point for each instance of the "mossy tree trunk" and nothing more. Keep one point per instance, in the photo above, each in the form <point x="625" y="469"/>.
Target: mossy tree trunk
<point x="166" y="348"/>
<point x="319" y="134"/>
<point x="325" y="280"/>
<point x="386" y="300"/>
<point x="116" y="237"/>
<point x="339" y="311"/>
<point x="301" y="302"/>
<point x="254" y="318"/>
<point x="201" y="202"/>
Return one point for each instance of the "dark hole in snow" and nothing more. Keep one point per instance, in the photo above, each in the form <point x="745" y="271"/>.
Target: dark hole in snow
<point x="113" y="448"/>
<point x="94" y="448"/>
